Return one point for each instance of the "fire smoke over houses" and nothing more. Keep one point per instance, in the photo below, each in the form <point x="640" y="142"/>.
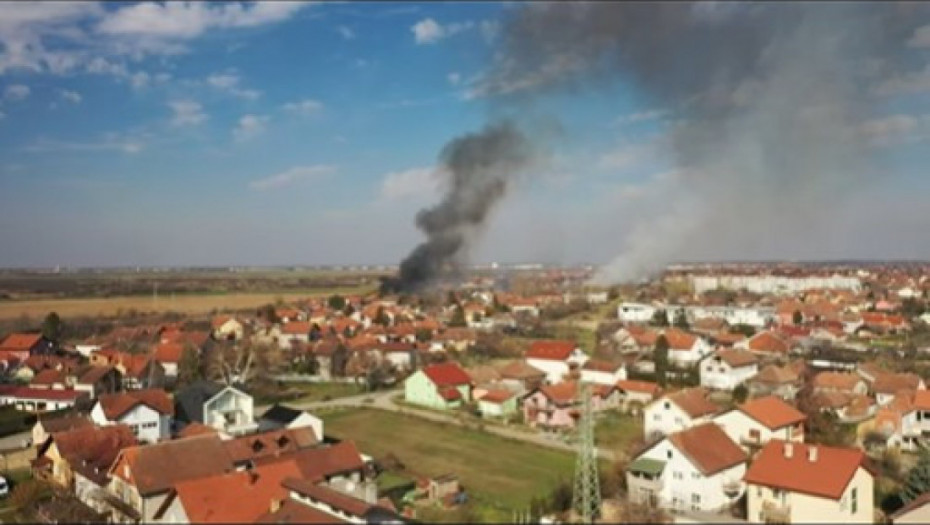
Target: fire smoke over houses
<point x="770" y="102"/>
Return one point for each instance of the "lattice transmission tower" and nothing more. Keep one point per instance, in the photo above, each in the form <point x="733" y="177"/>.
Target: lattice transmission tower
<point x="586" y="498"/>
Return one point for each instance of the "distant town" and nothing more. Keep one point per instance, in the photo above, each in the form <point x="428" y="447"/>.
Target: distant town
<point x="758" y="393"/>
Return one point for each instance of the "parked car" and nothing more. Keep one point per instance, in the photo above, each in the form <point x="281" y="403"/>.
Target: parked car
<point x="4" y="487"/>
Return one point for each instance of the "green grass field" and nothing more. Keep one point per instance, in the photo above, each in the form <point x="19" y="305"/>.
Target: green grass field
<point x="500" y="475"/>
<point x="617" y="432"/>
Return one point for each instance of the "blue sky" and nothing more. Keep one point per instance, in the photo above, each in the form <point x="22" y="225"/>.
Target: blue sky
<point x="284" y="133"/>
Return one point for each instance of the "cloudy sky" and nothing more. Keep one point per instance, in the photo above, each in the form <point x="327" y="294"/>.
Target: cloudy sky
<point x="288" y="133"/>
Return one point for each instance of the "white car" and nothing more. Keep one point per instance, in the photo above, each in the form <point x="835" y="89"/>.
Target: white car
<point x="4" y="487"/>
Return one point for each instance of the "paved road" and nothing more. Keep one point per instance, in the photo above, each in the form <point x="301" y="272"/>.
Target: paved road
<point x="382" y="401"/>
<point x="15" y="441"/>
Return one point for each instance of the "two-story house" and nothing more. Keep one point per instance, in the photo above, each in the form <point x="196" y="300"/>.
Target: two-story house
<point x="227" y="408"/>
<point x="147" y="412"/>
<point x="782" y="381"/>
<point x="805" y="483"/>
<point x="726" y="369"/>
<point x="698" y="469"/>
<point x="555" y="357"/>
<point x="756" y="422"/>
<point x="677" y="411"/>
<point x="685" y="349"/>
<point x="602" y="372"/>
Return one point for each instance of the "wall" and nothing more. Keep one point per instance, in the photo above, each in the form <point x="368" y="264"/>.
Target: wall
<point x="812" y="509"/>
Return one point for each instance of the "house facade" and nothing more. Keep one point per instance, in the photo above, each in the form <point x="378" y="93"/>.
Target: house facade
<point x="677" y="411"/>
<point x="726" y="369"/>
<point x="443" y="386"/>
<point x="804" y="483"/>
<point x="556" y="358"/>
<point x="754" y="423"/>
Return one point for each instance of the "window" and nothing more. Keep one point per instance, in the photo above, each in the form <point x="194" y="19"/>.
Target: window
<point x="657" y="417"/>
<point x="695" y="475"/>
<point x="669" y="454"/>
<point x="678" y="475"/>
<point x="695" y="498"/>
<point x="854" y="506"/>
<point x="668" y="405"/>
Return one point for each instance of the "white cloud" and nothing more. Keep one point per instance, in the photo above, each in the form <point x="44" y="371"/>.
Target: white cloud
<point x="71" y="96"/>
<point x="895" y="129"/>
<point x="429" y="31"/>
<point x="291" y="176"/>
<point x="229" y="82"/>
<point x="249" y="127"/>
<point x="454" y="78"/>
<point x="908" y="83"/>
<point x="17" y="92"/>
<point x="921" y="37"/>
<point x="641" y="116"/>
<point x="110" y="142"/>
<point x="139" y="79"/>
<point x="411" y="182"/>
<point x="187" y="113"/>
<point x="191" y="19"/>
<point x="305" y="106"/>
<point x="346" y="32"/>
<point x="489" y="30"/>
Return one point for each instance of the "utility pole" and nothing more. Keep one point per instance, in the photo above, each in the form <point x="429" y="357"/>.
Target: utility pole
<point x="586" y="498"/>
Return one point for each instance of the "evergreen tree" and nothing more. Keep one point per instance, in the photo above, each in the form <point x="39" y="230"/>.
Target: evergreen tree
<point x="660" y="358"/>
<point x="740" y="393"/>
<point x="918" y="478"/>
<point x="336" y="302"/>
<point x="189" y="367"/>
<point x="458" y="317"/>
<point x="681" y="320"/>
<point x="660" y="318"/>
<point x="797" y="317"/>
<point x="51" y="327"/>
<point x="381" y="317"/>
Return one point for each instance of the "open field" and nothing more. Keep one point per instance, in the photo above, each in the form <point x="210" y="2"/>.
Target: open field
<point x="500" y="475"/>
<point x="617" y="432"/>
<point x="188" y="304"/>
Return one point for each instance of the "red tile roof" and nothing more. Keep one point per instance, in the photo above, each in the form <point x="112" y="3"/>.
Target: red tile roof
<point x="553" y="350"/>
<point x="49" y="376"/>
<point x="837" y="381"/>
<point x="768" y="342"/>
<point x="521" y="370"/>
<point x="168" y="352"/>
<point x="23" y="392"/>
<point x="446" y="374"/>
<point x="115" y="405"/>
<point x="737" y="358"/>
<point x="296" y="328"/>
<point x="235" y="497"/>
<point x="561" y="393"/>
<point x="597" y="365"/>
<point x="679" y="339"/>
<point x="497" y="396"/>
<point x="708" y="448"/>
<point x="20" y="342"/>
<point x="694" y="402"/>
<point x="292" y="511"/>
<point x="772" y="412"/>
<point x="827" y="476"/>
<point x="632" y="385"/>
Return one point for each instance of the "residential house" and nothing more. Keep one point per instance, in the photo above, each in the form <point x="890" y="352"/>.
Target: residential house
<point x="602" y="372"/>
<point x="443" y="386"/>
<point x="142" y="371"/>
<point x="522" y="376"/>
<point x="283" y="417"/>
<point x="635" y="394"/>
<point x="697" y="469"/>
<point x="87" y="450"/>
<point x="782" y="381"/>
<point x="20" y="346"/>
<point x="226" y="408"/>
<point x="915" y="511"/>
<point x="168" y="356"/>
<point x="250" y="449"/>
<point x="758" y="421"/>
<point x="905" y="421"/>
<point x="227" y="328"/>
<point x="294" y="331"/>
<point x="635" y="312"/>
<point x="147" y="412"/>
<point x="685" y="349"/>
<point x="844" y="382"/>
<point x="887" y="385"/>
<point x="793" y="482"/>
<point x="555" y="358"/>
<point x="142" y="477"/>
<point x="766" y="343"/>
<point x="98" y="380"/>
<point x="51" y="423"/>
<point x="39" y="399"/>
<point x="498" y="402"/>
<point x="51" y="379"/>
<point x="311" y="502"/>
<point x="677" y="411"/>
<point x="726" y="369"/>
<point x="557" y="406"/>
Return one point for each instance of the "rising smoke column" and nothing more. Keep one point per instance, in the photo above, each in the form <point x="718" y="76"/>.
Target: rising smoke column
<point x="769" y="99"/>
<point x="479" y="168"/>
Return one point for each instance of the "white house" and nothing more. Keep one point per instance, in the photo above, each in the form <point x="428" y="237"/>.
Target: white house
<point x="756" y="422"/>
<point x="677" y="411"/>
<point x="726" y="369"/>
<point x="227" y="328"/>
<point x="555" y="358"/>
<point x="805" y="483"/>
<point x="280" y="416"/>
<point x="635" y="312"/>
<point x="698" y="469"/>
<point x="887" y="385"/>
<point x="758" y="316"/>
<point x="602" y="372"/>
<point x="225" y="408"/>
<point x="685" y="349"/>
<point x="147" y="412"/>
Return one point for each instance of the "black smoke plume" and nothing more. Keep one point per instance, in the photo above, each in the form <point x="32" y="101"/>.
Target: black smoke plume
<point x="479" y="168"/>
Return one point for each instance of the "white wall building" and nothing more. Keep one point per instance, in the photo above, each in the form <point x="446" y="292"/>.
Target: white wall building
<point x="726" y="369"/>
<point x="773" y="284"/>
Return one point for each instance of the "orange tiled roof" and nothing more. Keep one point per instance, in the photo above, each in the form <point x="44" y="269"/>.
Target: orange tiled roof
<point x="827" y="476"/>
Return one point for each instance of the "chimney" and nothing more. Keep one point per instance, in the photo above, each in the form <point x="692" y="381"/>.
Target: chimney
<point x="275" y="505"/>
<point x="789" y="450"/>
<point x="253" y="476"/>
<point x="812" y="454"/>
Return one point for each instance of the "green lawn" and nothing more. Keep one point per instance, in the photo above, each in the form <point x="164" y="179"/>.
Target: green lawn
<point x="309" y="392"/>
<point x="500" y="475"/>
<point x="616" y="431"/>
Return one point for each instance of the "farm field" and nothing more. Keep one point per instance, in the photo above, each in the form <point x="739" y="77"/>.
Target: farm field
<point x="181" y="303"/>
<point x="500" y="475"/>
